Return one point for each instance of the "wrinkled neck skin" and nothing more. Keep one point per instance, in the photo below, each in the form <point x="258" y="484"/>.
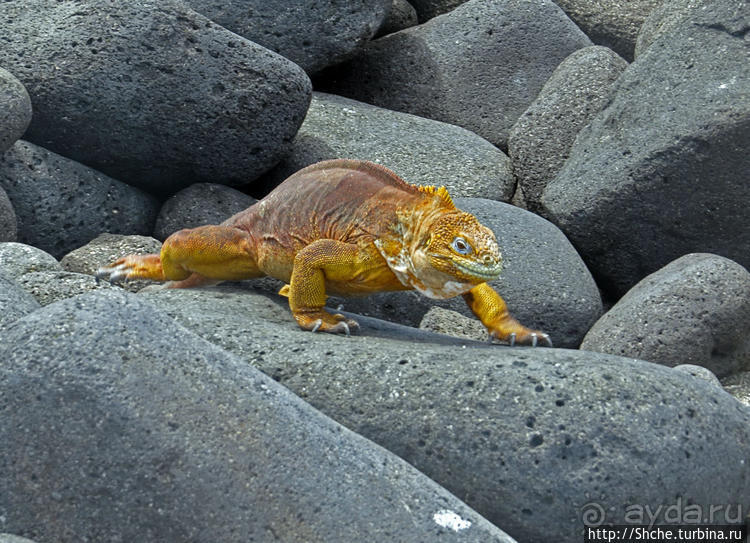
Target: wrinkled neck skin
<point x="406" y="256"/>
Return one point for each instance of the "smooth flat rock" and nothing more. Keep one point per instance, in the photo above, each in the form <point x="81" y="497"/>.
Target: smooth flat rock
<point x="144" y="432"/>
<point x="614" y="23"/>
<point x="312" y="34"/>
<point x="544" y="282"/>
<point x="540" y="141"/>
<point x="17" y="259"/>
<point x="421" y="151"/>
<point x="150" y="92"/>
<point x="199" y="204"/>
<point x="514" y="46"/>
<point x="662" y="171"/>
<point x="485" y="420"/>
<point x="695" y="310"/>
<point x="15" y="110"/>
<point x="15" y="302"/>
<point x="61" y="204"/>
<point x="105" y="249"/>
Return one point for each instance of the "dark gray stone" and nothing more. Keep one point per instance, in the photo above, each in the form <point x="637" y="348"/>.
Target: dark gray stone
<point x="61" y="204"/>
<point x="544" y="281"/>
<point x="15" y="302"/>
<point x="51" y="286"/>
<point x="696" y="310"/>
<point x="614" y="24"/>
<point x="427" y="9"/>
<point x="15" y="110"/>
<point x="8" y="230"/>
<point x="513" y="47"/>
<point x="402" y="15"/>
<point x="142" y="431"/>
<point x="699" y="372"/>
<point x="107" y="248"/>
<point x="663" y="19"/>
<point x="312" y="34"/>
<point x="421" y="151"/>
<point x="452" y="323"/>
<point x="17" y="259"/>
<point x="150" y="92"/>
<point x="526" y="436"/>
<point x="199" y="204"/>
<point x="662" y="170"/>
<point x="540" y="140"/>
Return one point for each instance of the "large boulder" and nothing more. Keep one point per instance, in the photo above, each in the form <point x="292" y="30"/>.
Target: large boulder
<point x="544" y="281"/>
<point x="151" y="92"/>
<point x="421" y="151"/>
<point x="663" y="19"/>
<point x="197" y="205"/>
<point x="695" y="310"/>
<point x="120" y="425"/>
<point x="312" y="34"/>
<point x="662" y="170"/>
<point x="478" y="67"/>
<point x="61" y="204"/>
<point x="614" y="24"/>
<point x="15" y="302"/>
<point x="540" y="141"/>
<point x="17" y="259"/>
<point x="531" y="438"/>
<point x="15" y="110"/>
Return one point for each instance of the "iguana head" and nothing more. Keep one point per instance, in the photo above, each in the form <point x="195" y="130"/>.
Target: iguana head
<point x="444" y="253"/>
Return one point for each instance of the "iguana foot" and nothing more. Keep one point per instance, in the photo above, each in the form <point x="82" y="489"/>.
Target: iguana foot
<point x="322" y="321"/>
<point x="132" y="267"/>
<point x="522" y="337"/>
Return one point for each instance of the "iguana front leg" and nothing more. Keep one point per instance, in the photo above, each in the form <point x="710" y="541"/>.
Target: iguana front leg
<point x="324" y="259"/>
<point x="491" y="309"/>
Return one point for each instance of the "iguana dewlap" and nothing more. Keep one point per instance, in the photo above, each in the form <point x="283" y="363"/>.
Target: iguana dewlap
<point x="344" y="227"/>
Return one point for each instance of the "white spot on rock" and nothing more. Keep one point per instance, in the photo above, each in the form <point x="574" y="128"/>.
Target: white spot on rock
<point x="449" y="519"/>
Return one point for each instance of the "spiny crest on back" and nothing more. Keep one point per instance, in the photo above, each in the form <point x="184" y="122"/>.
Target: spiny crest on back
<point x="441" y="192"/>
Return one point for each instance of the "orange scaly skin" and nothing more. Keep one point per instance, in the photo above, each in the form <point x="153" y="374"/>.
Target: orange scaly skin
<point x="346" y="227"/>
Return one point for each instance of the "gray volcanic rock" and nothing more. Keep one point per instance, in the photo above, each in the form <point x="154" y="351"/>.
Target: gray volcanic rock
<point x="142" y="431"/>
<point x="15" y="110"/>
<point x="662" y="170"/>
<point x="695" y="310"/>
<point x="8" y="230"/>
<point x="614" y="24"/>
<point x="107" y="248"/>
<point x="663" y="19"/>
<point x="544" y="281"/>
<point x="541" y="139"/>
<point x="17" y="259"/>
<point x="312" y="34"/>
<point x="699" y="372"/>
<point x="479" y="66"/>
<point x="485" y="420"/>
<point x="427" y="9"/>
<point x="421" y="151"/>
<point x="402" y="15"/>
<point x="8" y="538"/>
<point x="199" y="204"/>
<point x="150" y="92"/>
<point x="61" y="204"/>
<point x="51" y="286"/>
<point x="15" y="302"/>
<point x="738" y="385"/>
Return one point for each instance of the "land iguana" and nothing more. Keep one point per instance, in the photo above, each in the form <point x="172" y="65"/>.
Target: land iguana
<point x="345" y="227"/>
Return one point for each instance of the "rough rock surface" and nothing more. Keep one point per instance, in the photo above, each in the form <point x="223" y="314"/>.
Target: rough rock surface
<point x="15" y="302"/>
<point x="17" y="259"/>
<point x="199" y="204"/>
<point x="614" y="24"/>
<point x="61" y="204"/>
<point x="452" y="323"/>
<point x="738" y="385"/>
<point x="696" y="310"/>
<point x="8" y="538"/>
<point x="540" y="141"/>
<point x="662" y="170"/>
<point x="663" y="19"/>
<point x="150" y="92"/>
<point x="514" y="46"/>
<point x="421" y="151"/>
<point x="312" y="34"/>
<point x="427" y="9"/>
<point x="544" y="281"/>
<point x="699" y="372"/>
<point x="145" y="432"/>
<point x="484" y="420"/>
<point x="8" y="230"/>
<point x="402" y="15"/>
<point x="107" y="248"/>
<point x="15" y="110"/>
<point x="51" y="286"/>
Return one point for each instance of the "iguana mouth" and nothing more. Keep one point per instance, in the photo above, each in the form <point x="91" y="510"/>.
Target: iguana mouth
<point x="480" y="271"/>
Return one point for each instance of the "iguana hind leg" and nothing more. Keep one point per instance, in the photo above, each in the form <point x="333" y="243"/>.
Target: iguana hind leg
<point x="192" y="257"/>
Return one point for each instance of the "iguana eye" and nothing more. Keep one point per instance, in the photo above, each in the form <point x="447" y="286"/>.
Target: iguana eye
<point x="461" y="246"/>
